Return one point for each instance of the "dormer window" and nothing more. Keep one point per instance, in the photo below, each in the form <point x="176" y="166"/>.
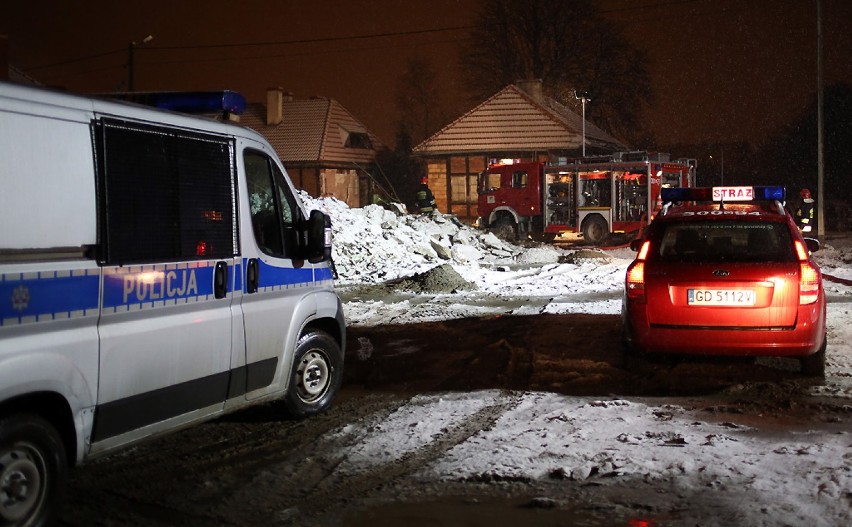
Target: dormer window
<point x="358" y="140"/>
<point x="355" y="138"/>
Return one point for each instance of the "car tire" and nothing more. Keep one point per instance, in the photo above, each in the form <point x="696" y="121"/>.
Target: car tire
<point x="33" y="471"/>
<point x="595" y="229"/>
<point x="316" y="375"/>
<point x="814" y="365"/>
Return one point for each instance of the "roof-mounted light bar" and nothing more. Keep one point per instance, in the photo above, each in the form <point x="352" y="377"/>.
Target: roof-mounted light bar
<point x="189" y="102"/>
<point x="723" y="194"/>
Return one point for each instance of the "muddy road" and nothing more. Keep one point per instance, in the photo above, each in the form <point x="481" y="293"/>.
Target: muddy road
<point x="252" y="468"/>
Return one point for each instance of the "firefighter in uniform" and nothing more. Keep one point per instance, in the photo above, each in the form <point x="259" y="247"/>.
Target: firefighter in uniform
<point x="425" y="199"/>
<point x="805" y="212"/>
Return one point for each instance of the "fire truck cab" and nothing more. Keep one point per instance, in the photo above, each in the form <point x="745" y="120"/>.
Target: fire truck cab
<point x="595" y="196"/>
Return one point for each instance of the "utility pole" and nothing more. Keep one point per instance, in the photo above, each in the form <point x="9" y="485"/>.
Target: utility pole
<point x="584" y="97"/>
<point x="820" y="132"/>
<point x="131" y="47"/>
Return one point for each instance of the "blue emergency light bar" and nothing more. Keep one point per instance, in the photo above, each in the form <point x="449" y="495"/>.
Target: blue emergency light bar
<point x="201" y="102"/>
<point x="189" y="102"/>
<point x="723" y="194"/>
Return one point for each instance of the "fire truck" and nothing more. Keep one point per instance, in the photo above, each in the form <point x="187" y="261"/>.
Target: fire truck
<point x="596" y="196"/>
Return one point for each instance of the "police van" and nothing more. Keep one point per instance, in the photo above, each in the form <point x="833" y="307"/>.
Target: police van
<point x="156" y="270"/>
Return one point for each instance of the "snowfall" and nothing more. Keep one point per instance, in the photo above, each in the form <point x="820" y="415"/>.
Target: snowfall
<point x="799" y="476"/>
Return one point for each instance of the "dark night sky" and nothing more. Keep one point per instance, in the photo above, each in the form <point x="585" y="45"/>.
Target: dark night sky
<point x="723" y="69"/>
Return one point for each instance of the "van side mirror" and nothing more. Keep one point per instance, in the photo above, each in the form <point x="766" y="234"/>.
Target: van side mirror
<point x="318" y="230"/>
<point x="635" y="245"/>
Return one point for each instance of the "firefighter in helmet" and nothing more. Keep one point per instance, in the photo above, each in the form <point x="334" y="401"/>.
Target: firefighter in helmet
<point x="425" y="199"/>
<point x="805" y="212"/>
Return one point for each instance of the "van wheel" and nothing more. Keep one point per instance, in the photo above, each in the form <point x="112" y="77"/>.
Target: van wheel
<point x="316" y="375"/>
<point x="33" y="471"/>
<point x="814" y="365"/>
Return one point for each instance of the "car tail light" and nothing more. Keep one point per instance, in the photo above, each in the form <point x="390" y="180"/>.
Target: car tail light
<point x="808" y="284"/>
<point x="801" y="251"/>
<point x="809" y="278"/>
<point x="635" y="281"/>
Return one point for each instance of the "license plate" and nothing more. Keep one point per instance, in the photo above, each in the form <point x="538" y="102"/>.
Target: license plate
<point x="720" y="297"/>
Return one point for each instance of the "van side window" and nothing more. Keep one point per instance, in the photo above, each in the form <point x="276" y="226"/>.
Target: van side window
<point x="164" y="194"/>
<point x="273" y="206"/>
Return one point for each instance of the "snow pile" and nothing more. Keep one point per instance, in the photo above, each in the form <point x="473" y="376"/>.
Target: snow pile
<point x="410" y="256"/>
<point x="374" y="245"/>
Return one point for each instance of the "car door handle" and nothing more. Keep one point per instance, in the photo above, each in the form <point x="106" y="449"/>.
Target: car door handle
<point x="220" y="280"/>
<point x="252" y="275"/>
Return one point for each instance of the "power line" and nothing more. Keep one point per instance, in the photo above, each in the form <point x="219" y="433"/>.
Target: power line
<point x="314" y="40"/>
<point x="651" y="6"/>
<point x="72" y="61"/>
<point x="257" y="44"/>
<point x="330" y="39"/>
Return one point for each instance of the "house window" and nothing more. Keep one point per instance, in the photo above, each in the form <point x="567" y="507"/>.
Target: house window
<point x="358" y="140"/>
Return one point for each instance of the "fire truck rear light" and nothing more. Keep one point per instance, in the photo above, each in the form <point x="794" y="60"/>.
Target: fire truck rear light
<point x="808" y="284"/>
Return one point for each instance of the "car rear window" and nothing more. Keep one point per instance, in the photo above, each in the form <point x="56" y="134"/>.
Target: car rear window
<point x="725" y="241"/>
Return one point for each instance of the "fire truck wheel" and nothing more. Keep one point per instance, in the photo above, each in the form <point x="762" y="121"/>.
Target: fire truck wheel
<point x="504" y="228"/>
<point x="595" y="229"/>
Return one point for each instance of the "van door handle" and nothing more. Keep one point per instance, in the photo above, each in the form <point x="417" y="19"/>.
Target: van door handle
<point x="252" y="275"/>
<point x="220" y="280"/>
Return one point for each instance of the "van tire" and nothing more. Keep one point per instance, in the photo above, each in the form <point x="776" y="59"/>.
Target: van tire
<point x="33" y="471"/>
<point x="316" y="375"/>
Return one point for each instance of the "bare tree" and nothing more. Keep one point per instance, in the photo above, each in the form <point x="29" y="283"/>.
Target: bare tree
<point x="418" y="101"/>
<point x="569" y="45"/>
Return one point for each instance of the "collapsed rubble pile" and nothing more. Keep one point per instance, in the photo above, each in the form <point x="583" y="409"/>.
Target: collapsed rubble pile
<point x="375" y="245"/>
<point x="441" y="279"/>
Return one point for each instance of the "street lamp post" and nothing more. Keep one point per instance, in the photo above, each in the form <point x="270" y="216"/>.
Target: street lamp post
<point x="131" y="47"/>
<point x="584" y="97"/>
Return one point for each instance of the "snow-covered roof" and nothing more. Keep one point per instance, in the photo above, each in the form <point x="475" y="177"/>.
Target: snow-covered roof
<point x="514" y="120"/>
<point x="317" y="130"/>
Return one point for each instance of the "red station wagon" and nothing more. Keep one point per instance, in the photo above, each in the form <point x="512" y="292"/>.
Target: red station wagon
<point x="725" y="271"/>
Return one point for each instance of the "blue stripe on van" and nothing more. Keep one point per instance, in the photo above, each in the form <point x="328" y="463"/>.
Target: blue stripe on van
<point x="272" y="276"/>
<point x="142" y="286"/>
<point x="323" y="274"/>
<point x="47" y="297"/>
<point x="238" y="277"/>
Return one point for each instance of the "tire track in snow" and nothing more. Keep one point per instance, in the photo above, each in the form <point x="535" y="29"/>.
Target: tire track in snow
<point x="326" y="502"/>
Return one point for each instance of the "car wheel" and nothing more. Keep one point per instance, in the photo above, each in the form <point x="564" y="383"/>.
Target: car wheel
<point x="33" y="471"/>
<point x="595" y="229"/>
<point x="633" y="358"/>
<point x="316" y="375"/>
<point x="814" y="365"/>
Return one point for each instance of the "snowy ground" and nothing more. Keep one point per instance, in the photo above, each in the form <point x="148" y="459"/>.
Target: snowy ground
<point x="793" y="476"/>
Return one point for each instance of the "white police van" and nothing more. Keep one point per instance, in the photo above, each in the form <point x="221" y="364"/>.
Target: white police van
<point x="156" y="270"/>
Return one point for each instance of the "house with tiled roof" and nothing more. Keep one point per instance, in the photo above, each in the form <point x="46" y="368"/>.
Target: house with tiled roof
<point x="518" y="122"/>
<point x="325" y="149"/>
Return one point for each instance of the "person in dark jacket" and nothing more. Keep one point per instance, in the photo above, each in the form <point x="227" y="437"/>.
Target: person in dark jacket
<point x="425" y="199"/>
<point x="805" y="213"/>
